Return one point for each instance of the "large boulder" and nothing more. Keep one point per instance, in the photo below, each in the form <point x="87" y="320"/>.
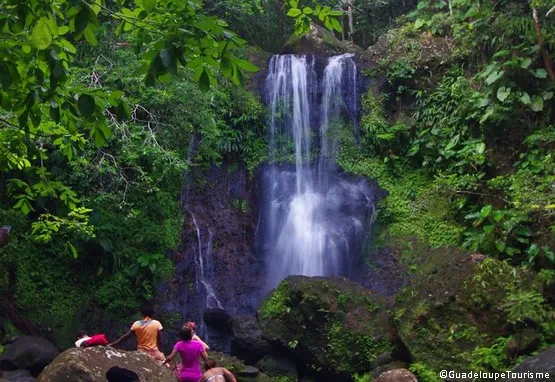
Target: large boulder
<point x="17" y="376"/>
<point x="542" y="363"/>
<point x="397" y="375"/>
<point x="247" y="343"/>
<point x="28" y="352"/>
<point x="331" y="325"/>
<point x="457" y="302"/>
<point x="91" y="364"/>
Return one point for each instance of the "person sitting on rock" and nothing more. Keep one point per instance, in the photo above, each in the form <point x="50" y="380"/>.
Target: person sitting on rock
<point x="120" y="374"/>
<point x="190" y="352"/>
<point x="216" y="374"/>
<point x="82" y="338"/>
<point x="147" y="332"/>
<point x="193" y="326"/>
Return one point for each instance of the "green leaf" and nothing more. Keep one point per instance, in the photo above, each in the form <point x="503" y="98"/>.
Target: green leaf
<point x="335" y="13"/>
<point x="307" y="10"/>
<point x="226" y="66"/>
<point x="537" y="103"/>
<point x="419" y="23"/>
<point x="72" y="249"/>
<point x="90" y="35"/>
<point x="82" y="19"/>
<point x="150" y="79"/>
<point x="336" y="24"/>
<point x="294" y="12"/>
<point x="503" y="92"/>
<point x="525" y="62"/>
<point x="489" y="112"/>
<point x="55" y="113"/>
<point x="149" y="4"/>
<point x="62" y="30"/>
<point x="41" y="35"/>
<point x="98" y="137"/>
<point x="86" y="105"/>
<point x="494" y="76"/>
<point x="539" y="73"/>
<point x="547" y="96"/>
<point x="480" y="148"/>
<point x="204" y="81"/>
<point x="525" y="98"/>
<point x="246" y="65"/>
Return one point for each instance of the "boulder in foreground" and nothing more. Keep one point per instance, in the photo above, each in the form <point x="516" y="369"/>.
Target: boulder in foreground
<point x="91" y="364"/>
<point x="30" y="353"/>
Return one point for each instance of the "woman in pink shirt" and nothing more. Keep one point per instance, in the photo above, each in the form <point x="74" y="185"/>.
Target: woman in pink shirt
<point x="190" y="352"/>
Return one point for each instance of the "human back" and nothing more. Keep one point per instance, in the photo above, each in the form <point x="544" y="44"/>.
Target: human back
<point x="190" y="352"/>
<point x="146" y="331"/>
<point x="216" y="374"/>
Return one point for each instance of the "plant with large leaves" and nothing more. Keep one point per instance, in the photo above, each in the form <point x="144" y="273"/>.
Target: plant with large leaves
<point x="46" y="119"/>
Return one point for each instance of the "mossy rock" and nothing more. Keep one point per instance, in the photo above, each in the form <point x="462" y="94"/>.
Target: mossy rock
<point x="452" y="304"/>
<point x="332" y="326"/>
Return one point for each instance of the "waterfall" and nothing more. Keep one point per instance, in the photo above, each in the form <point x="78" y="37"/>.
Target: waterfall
<point x="204" y="272"/>
<point x="312" y="217"/>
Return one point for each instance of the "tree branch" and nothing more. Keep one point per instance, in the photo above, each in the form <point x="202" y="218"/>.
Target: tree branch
<point x="546" y="59"/>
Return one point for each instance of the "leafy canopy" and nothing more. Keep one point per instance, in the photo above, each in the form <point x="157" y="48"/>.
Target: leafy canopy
<point x="47" y="118"/>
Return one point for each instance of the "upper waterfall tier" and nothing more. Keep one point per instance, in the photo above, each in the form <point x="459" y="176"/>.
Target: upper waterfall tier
<point x="313" y="220"/>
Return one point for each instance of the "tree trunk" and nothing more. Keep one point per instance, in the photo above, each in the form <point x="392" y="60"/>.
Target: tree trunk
<point x="546" y="59"/>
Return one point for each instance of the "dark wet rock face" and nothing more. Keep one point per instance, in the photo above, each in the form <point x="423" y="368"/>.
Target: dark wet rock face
<point x="247" y="343"/>
<point x="217" y="272"/>
<point x="383" y="272"/>
<point x="28" y="352"/>
<point x="91" y="365"/>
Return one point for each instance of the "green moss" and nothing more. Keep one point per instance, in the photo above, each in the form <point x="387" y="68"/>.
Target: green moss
<point x="353" y="351"/>
<point x="456" y="303"/>
<point x="414" y="207"/>
<point x="277" y="304"/>
<point x="336" y="326"/>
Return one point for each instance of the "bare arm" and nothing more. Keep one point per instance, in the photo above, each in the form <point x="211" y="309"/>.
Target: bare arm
<point x="171" y="356"/>
<point x="124" y="337"/>
<point x="197" y="338"/>
<point x="229" y="377"/>
<point x="159" y="339"/>
<point x="204" y="356"/>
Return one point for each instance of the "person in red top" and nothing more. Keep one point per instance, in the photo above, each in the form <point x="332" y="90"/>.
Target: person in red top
<point x="147" y="332"/>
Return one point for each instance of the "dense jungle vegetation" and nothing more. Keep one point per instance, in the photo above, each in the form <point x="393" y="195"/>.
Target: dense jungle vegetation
<point x="106" y="106"/>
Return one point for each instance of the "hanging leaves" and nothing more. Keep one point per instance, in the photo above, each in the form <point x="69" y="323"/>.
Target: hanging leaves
<point x="42" y="34"/>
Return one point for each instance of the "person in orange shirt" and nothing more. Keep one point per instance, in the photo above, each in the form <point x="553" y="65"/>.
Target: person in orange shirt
<point x="147" y="332"/>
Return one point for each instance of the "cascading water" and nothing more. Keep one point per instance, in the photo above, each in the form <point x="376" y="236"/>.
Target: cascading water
<point x="312" y="217"/>
<point x="204" y="273"/>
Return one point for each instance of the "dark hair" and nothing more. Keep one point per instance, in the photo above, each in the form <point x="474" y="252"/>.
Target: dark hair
<point x="120" y="374"/>
<point x="81" y="333"/>
<point x="209" y="364"/>
<point x="147" y="310"/>
<point x="185" y="333"/>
